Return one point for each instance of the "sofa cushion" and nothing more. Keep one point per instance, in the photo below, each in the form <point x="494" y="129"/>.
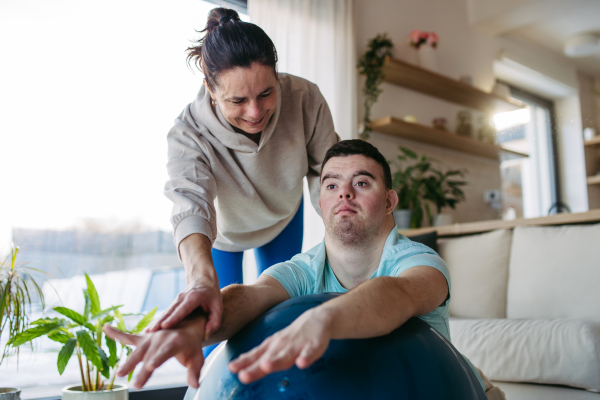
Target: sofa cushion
<point x="428" y="239"/>
<point x="530" y="391"/>
<point x="478" y="267"/>
<point x="554" y="272"/>
<point x="559" y="351"/>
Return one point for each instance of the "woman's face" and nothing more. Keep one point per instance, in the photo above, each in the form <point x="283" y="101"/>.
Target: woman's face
<point x="247" y="97"/>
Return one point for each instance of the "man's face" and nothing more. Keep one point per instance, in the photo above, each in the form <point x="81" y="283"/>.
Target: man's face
<point x="353" y="199"/>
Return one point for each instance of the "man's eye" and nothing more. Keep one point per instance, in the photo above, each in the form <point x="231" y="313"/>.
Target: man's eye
<point x="238" y="101"/>
<point x="265" y="95"/>
<point x="330" y="186"/>
<point x="362" y="184"/>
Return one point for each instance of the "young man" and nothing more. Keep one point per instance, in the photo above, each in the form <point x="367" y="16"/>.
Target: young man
<point x="387" y="277"/>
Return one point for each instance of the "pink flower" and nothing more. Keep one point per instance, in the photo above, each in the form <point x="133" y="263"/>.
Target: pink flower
<point x="433" y="39"/>
<point x="423" y="35"/>
<point x="414" y="37"/>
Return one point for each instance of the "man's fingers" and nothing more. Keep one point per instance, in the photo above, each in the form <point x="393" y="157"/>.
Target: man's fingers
<point x="122" y="337"/>
<point x="166" y="351"/>
<point x="134" y="359"/>
<point x="143" y="375"/>
<point x="244" y="360"/>
<point x="251" y="374"/>
<point x="308" y="356"/>
<point x="214" y="321"/>
<point x="194" y="367"/>
<point x="277" y="362"/>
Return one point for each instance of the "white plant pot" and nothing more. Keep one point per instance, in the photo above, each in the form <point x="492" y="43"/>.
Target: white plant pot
<point x="7" y="393"/>
<point x="442" y="219"/>
<point x="73" y="392"/>
<point x="402" y="218"/>
<point x="428" y="58"/>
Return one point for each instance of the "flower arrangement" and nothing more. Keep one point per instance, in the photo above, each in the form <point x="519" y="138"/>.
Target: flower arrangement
<point x="419" y="38"/>
<point x="81" y="335"/>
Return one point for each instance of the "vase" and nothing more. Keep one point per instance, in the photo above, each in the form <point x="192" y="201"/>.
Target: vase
<point x="411" y="55"/>
<point x="73" y="392"/>
<point x="402" y="218"/>
<point x="442" y="219"/>
<point x="428" y="58"/>
<point x="7" y="393"/>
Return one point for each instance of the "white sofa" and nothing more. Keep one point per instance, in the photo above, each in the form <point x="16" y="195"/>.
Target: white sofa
<point x="525" y="308"/>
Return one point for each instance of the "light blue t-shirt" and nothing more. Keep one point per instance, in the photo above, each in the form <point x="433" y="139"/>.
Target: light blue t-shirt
<point x="310" y="273"/>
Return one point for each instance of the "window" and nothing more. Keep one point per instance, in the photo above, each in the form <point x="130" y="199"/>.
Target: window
<point x="89" y="92"/>
<point x="529" y="183"/>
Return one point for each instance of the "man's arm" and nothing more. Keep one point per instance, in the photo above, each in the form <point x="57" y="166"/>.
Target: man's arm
<point x="374" y="308"/>
<point x="242" y="304"/>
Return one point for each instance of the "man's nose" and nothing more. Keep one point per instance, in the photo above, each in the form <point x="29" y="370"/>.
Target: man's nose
<point x="347" y="192"/>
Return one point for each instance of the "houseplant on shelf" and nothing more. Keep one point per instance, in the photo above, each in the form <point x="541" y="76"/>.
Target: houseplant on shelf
<point x="370" y="65"/>
<point x="443" y="191"/>
<point x="82" y="334"/>
<point x="16" y="289"/>
<point x="421" y="183"/>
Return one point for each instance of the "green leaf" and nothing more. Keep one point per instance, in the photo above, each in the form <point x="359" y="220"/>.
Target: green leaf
<point x="145" y="321"/>
<point x="94" y="299"/>
<point x="106" y="311"/>
<point x="65" y="354"/>
<point x="105" y="371"/>
<point x="121" y="324"/>
<point x="112" y="352"/>
<point x="90" y="349"/>
<point x="86" y="308"/>
<point x="72" y="315"/>
<point x="32" y="333"/>
<point x="45" y="321"/>
<point x="60" y="335"/>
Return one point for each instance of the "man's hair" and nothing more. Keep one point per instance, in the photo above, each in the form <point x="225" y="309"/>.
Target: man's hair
<point x="353" y="147"/>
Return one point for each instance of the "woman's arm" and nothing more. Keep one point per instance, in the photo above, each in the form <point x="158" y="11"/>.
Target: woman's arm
<point x="202" y="288"/>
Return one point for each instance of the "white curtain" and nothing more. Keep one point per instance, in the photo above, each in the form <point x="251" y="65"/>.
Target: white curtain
<point x="314" y="40"/>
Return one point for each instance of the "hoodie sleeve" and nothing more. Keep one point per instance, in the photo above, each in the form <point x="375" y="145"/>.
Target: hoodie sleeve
<point x="191" y="186"/>
<point x="322" y="137"/>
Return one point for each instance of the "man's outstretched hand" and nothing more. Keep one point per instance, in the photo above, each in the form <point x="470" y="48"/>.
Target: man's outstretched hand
<point x="154" y="348"/>
<point x="302" y="343"/>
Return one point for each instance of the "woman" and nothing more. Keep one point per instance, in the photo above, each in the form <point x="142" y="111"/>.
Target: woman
<point x="237" y="157"/>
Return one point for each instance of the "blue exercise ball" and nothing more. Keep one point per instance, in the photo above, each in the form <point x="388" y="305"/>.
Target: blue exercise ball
<point x="413" y="362"/>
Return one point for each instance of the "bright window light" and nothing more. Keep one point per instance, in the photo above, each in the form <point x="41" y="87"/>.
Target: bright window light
<point x="510" y="119"/>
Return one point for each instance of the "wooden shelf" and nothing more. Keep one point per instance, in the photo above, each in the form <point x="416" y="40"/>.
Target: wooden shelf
<point x="592" y="142"/>
<point x="421" y="133"/>
<point x="593" y="180"/>
<point x="485" y="226"/>
<point x="440" y="86"/>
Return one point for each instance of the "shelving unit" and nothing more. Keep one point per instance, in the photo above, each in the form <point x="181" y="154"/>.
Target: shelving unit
<point x="440" y="86"/>
<point x="592" y="142"/>
<point x="421" y="133"/>
<point x="593" y="180"/>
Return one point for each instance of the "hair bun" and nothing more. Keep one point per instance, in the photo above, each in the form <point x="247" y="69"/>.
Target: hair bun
<point x="224" y="19"/>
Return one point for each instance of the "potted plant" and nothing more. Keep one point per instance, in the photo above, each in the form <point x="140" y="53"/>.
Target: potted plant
<point x="443" y="191"/>
<point x="420" y="183"/>
<point x="82" y="334"/>
<point x="16" y="289"/>
<point x="370" y="65"/>
<point x="408" y="183"/>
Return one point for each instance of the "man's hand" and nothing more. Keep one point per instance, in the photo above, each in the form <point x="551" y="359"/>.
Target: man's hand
<point x="183" y="342"/>
<point x="200" y="293"/>
<point x="302" y="343"/>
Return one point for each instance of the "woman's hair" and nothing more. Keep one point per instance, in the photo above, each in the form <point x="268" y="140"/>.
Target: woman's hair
<point x="230" y="43"/>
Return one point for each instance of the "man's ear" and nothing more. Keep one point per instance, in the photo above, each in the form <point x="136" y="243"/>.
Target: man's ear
<point x="391" y="201"/>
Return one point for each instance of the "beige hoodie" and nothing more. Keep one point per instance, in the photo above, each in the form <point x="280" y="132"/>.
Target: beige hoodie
<point x="239" y="194"/>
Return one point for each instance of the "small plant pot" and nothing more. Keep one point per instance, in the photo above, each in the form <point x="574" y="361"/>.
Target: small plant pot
<point x="7" y="393"/>
<point x="120" y="392"/>
<point x="402" y="218"/>
<point x="442" y="219"/>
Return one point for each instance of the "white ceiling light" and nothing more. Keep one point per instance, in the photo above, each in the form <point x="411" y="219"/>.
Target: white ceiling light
<point x="582" y="45"/>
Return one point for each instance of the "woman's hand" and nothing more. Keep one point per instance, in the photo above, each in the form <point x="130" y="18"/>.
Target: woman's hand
<point x="202" y="288"/>
<point x="302" y="343"/>
<point x="183" y="342"/>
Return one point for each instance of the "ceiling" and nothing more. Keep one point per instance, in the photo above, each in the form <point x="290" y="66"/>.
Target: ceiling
<point x="546" y="23"/>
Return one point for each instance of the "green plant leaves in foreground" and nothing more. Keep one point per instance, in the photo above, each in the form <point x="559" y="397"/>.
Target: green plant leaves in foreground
<point x="72" y="315"/>
<point x="35" y="332"/>
<point x="112" y="352"/>
<point x="144" y="321"/>
<point x="93" y="294"/>
<point x="89" y="348"/>
<point x="65" y="354"/>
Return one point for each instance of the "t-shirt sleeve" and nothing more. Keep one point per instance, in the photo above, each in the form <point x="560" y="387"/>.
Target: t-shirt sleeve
<point x="417" y="255"/>
<point x="294" y="275"/>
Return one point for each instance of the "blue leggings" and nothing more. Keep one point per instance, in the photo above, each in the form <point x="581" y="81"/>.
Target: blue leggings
<point x="286" y="245"/>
